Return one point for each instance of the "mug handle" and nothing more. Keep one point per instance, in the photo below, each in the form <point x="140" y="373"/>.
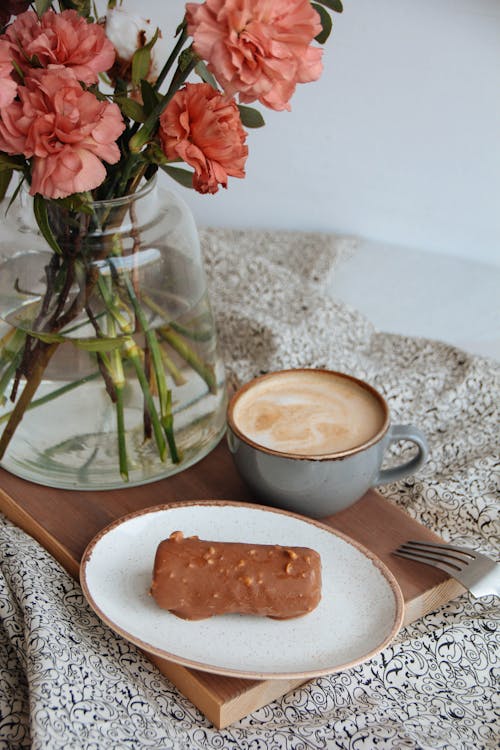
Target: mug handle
<point x="413" y="434"/>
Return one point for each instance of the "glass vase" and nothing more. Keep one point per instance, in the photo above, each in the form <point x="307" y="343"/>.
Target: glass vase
<point x="109" y="369"/>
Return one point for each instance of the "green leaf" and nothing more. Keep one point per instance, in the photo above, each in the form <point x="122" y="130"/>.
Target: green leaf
<point x="41" y="6"/>
<point x="98" y="345"/>
<point x="141" y="61"/>
<point x="150" y="97"/>
<point x="153" y="154"/>
<point x="250" y="117"/>
<point x="326" y="23"/>
<point x="34" y="61"/>
<point x="334" y="5"/>
<point x="121" y="87"/>
<point x="131" y="108"/>
<point x="48" y="338"/>
<point x="182" y="176"/>
<point x="5" y="178"/>
<point x="205" y="75"/>
<point x="100" y="95"/>
<point x="42" y="219"/>
<point x="187" y="58"/>
<point x="78" y="203"/>
<point x="18" y="69"/>
<point x="81" y="6"/>
<point x="15" y="193"/>
<point x="181" y="27"/>
<point x="12" y="162"/>
<point x="139" y="139"/>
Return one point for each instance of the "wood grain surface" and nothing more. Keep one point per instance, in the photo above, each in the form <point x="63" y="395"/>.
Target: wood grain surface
<point x="65" y="521"/>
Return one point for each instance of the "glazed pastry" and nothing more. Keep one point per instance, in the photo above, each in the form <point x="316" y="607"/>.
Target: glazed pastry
<point x="195" y="579"/>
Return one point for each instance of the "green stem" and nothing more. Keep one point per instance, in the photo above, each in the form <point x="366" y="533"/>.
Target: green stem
<point x="46" y="352"/>
<point x="120" y="425"/>
<point x="11" y="353"/>
<point x="6" y="338"/>
<point x="11" y="343"/>
<point x="7" y="376"/>
<point x="173" y="56"/>
<point x="164" y="394"/>
<point x="203" y="335"/>
<point x="82" y="324"/>
<point x="110" y="300"/>
<point x="115" y="368"/>
<point x="176" y="342"/>
<point x="172" y="368"/>
<point x="133" y="353"/>
<point x="55" y="394"/>
<point x="168" y="426"/>
<point x="146" y="132"/>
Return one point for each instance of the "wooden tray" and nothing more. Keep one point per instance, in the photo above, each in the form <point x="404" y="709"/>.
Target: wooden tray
<point x="64" y="521"/>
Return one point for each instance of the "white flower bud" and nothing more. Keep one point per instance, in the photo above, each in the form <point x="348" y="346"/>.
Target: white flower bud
<point x="129" y="32"/>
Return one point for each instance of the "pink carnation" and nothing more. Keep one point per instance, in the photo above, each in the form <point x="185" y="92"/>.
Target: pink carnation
<point x="8" y="86"/>
<point x="62" y="39"/>
<point x="65" y="130"/>
<point x="259" y="49"/>
<point x="202" y="127"/>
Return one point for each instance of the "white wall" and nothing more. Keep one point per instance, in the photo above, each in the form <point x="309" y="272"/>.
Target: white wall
<point x="399" y="141"/>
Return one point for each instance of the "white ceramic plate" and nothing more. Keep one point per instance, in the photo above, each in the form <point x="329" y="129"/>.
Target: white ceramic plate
<point x="361" y="608"/>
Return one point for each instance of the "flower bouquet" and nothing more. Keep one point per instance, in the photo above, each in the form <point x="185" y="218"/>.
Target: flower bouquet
<point x="107" y="287"/>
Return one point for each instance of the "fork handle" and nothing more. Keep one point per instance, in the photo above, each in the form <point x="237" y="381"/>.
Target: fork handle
<point x="411" y="433"/>
<point x="488" y="584"/>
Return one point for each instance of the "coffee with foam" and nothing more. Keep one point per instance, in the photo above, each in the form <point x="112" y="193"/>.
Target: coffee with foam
<point x="309" y="413"/>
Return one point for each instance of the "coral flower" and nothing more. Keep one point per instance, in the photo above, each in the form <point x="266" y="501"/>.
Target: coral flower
<point x="62" y="39"/>
<point x="257" y="48"/>
<point x="66" y="131"/>
<point x="202" y="127"/>
<point x="8" y="86"/>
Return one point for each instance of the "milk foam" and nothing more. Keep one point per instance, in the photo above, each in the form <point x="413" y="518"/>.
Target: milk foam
<point x="309" y="413"/>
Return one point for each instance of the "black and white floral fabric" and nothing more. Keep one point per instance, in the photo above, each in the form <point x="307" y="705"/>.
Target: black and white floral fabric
<point x="67" y="682"/>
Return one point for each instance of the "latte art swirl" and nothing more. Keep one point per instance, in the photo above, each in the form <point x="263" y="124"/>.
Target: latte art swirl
<point x="308" y="413"/>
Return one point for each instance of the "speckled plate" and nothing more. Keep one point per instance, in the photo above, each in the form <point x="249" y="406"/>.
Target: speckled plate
<point x="361" y="608"/>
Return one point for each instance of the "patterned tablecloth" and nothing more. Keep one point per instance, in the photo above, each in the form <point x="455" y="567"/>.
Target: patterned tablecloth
<point x="66" y="681"/>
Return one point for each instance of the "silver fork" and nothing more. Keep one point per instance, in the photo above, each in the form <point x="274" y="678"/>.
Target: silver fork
<point x="475" y="571"/>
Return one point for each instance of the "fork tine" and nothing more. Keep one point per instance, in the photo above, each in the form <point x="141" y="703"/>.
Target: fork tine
<point x="442" y="554"/>
<point x="443" y="547"/>
<point x="475" y="571"/>
<point x="425" y="560"/>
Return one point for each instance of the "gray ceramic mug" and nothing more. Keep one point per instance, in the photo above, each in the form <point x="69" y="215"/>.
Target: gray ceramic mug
<point x="322" y="484"/>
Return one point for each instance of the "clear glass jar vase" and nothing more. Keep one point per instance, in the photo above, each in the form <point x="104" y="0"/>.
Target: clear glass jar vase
<point x="109" y="369"/>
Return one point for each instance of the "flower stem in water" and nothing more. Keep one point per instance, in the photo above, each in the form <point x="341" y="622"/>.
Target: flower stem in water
<point x="176" y="342"/>
<point x="164" y="394"/>
<point x="45" y="353"/>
